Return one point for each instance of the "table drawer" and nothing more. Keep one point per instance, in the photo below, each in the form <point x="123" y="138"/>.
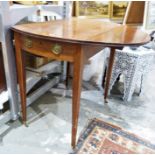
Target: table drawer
<point x="47" y="48"/>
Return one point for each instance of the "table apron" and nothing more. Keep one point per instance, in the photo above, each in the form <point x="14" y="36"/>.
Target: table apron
<point x="51" y="49"/>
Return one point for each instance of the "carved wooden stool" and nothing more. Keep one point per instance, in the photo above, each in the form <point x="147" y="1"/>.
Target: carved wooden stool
<point x="134" y="64"/>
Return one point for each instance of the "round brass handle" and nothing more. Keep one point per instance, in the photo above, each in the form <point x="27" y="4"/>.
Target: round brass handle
<point x="28" y="43"/>
<point x="56" y="49"/>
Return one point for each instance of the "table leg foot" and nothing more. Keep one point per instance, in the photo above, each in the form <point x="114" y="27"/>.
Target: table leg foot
<point x="105" y="101"/>
<point x="73" y="144"/>
<point x="25" y="124"/>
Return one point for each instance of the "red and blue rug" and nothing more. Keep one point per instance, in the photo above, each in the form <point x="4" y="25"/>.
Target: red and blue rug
<point x="100" y="137"/>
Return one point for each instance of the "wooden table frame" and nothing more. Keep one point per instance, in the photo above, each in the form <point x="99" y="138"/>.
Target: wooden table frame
<point x="78" y="56"/>
<point x="73" y="51"/>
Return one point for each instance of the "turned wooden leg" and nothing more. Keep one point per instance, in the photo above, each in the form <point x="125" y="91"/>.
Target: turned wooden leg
<point x="77" y="81"/>
<point x="21" y="76"/>
<point x="109" y="71"/>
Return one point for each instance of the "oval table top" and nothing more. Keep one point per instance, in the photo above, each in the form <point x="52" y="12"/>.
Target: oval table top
<point x="85" y="31"/>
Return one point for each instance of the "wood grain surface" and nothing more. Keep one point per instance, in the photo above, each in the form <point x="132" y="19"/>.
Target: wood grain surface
<point x="73" y="40"/>
<point x="86" y="31"/>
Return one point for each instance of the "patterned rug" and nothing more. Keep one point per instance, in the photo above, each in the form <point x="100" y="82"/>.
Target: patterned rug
<point x="103" y="138"/>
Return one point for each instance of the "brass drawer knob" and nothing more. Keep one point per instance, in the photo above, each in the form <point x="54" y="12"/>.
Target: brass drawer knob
<point x="28" y="43"/>
<point x="56" y="49"/>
